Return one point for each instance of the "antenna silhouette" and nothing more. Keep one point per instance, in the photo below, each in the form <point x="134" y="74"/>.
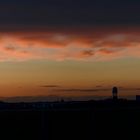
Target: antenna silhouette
<point x="115" y="93"/>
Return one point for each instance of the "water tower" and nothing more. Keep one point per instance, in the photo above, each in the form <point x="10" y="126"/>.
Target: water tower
<point x="115" y="93"/>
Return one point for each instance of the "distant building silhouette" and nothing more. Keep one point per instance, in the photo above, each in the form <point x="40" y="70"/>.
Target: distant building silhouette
<point x="115" y="93"/>
<point x="137" y="97"/>
<point x="62" y="101"/>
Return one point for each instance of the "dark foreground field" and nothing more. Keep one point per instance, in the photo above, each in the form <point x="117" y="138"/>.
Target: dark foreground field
<point x="73" y="121"/>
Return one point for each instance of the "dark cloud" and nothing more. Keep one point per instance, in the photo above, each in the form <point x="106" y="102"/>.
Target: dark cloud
<point x="68" y="12"/>
<point x="137" y="89"/>
<point x="83" y="90"/>
<point x="88" y="53"/>
<point x="107" y="51"/>
<point x="10" y="48"/>
<point x="50" y="86"/>
<point x="99" y="86"/>
<point x="129" y="89"/>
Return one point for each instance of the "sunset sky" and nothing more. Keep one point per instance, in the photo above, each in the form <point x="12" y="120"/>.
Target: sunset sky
<point x="69" y="48"/>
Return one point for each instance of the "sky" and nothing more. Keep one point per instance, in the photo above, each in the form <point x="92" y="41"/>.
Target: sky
<point x="75" y="49"/>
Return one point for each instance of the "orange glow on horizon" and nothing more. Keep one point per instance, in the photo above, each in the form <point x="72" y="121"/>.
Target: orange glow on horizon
<point x="81" y="58"/>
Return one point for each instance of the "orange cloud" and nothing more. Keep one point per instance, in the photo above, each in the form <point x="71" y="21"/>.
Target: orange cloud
<point x="94" y="44"/>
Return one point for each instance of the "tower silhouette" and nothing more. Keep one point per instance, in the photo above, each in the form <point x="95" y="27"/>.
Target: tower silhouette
<point x="115" y="93"/>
